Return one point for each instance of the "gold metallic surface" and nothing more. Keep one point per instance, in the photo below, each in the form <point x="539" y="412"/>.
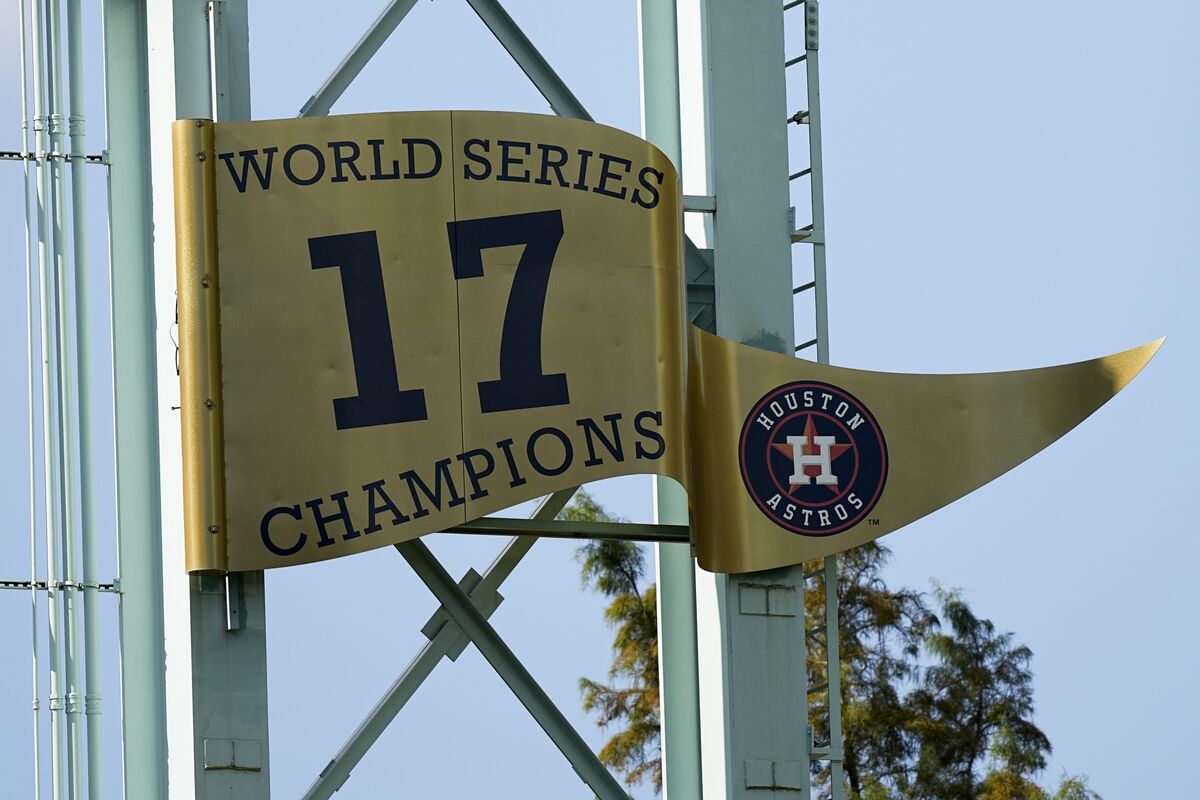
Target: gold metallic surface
<point x="610" y="297"/>
<point x="946" y="436"/>
<point x="288" y="349"/>
<point x="268" y="469"/>
<point x="199" y="347"/>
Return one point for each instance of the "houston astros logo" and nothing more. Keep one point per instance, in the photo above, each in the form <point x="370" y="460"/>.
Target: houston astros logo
<point x="813" y="458"/>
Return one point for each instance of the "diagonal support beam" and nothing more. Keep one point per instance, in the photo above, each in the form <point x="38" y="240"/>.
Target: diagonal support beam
<point x="562" y="100"/>
<point x="442" y="645"/>
<point x="531" y="62"/>
<point x="462" y="609"/>
<point x="511" y="671"/>
<point x="363" y="51"/>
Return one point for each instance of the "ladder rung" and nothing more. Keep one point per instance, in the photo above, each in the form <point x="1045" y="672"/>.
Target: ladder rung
<point x="798" y="290"/>
<point x="814" y="632"/>
<point x="799" y="174"/>
<point x="804" y="234"/>
<point x="793" y="61"/>
<point x="800" y="118"/>
<point x="806" y="345"/>
<point x="820" y="687"/>
<point x="792" y="4"/>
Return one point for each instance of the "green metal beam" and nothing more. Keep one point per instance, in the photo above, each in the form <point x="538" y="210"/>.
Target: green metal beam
<point x="441" y="645"/>
<point x="363" y="51"/>
<point x="676" y="568"/>
<point x="532" y="63"/>
<point x="562" y="529"/>
<point x="511" y="671"/>
<point x="139" y="541"/>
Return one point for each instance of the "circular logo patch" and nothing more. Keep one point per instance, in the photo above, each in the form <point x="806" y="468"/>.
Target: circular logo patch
<point x="813" y="458"/>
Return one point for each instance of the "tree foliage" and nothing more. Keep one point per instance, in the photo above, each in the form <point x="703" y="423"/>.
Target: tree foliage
<point x="881" y="632"/>
<point x="975" y="700"/>
<point x="936" y="705"/>
<point x="631" y="699"/>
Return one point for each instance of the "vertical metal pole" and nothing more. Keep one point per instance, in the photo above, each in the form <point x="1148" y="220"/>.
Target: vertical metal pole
<point x="216" y="639"/>
<point x="678" y="674"/>
<point x="821" y="305"/>
<point x="754" y="710"/>
<point x="46" y="282"/>
<point x="31" y="373"/>
<point x="87" y="451"/>
<point x="139" y="532"/>
<point x="66" y="417"/>
<point x="817" y="178"/>
<point x="833" y="664"/>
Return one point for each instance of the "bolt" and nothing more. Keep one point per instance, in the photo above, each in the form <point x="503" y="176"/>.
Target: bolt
<point x="209" y="404"/>
<point x="200" y="156"/>
<point x="199" y="123"/>
<point x="204" y="282"/>
<point x="213" y="529"/>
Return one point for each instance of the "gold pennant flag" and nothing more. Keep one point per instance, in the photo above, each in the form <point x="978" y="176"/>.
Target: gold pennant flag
<point x="391" y="324"/>
<point x="897" y="446"/>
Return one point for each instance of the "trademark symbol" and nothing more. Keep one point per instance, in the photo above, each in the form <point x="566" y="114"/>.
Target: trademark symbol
<point x="873" y="521"/>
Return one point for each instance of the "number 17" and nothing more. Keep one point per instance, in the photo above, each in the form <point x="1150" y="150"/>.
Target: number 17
<point x="522" y="384"/>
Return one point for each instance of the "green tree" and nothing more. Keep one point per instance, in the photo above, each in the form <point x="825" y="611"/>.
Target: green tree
<point x="1075" y="787"/>
<point x="932" y="708"/>
<point x="881" y="632"/>
<point x="631" y="700"/>
<point x="974" y="700"/>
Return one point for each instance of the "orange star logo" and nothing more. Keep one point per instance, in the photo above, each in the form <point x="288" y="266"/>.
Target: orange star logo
<point x="811" y="449"/>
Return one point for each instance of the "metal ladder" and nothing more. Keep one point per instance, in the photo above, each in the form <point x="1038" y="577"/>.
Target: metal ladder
<point x="829" y="747"/>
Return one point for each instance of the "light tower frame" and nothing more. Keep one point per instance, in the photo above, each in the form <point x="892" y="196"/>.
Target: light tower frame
<point x="201" y="731"/>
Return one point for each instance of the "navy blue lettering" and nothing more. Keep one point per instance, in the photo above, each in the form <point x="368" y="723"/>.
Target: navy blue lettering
<point x="522" y="384"/>
<point x="380" y="400"/>
<point x="378" y="174"/>
<point x="441" y="472"/>
<point x="343" y="514"/>
<point x="476" y="475"/>
<point x="650" y="188"/>
<point x="555" y="165"/>
<point x="384" y="503"/>
<point x="584" y="155"/>
<point x="318" y="167"/>
<point x="517" y="479"/>
<point x="507" y="161"/>
<point x="345" y="160"/>
<point x="265" y="531"/>
<point x="411" y="144"/>
<point x="606" y="174"/>
<point x="250" y="160"/>
<point x="483" y="146"/>
<point x="653" y="436"/>
<point x="568" y="451"/>
<point x="613" y="446"/>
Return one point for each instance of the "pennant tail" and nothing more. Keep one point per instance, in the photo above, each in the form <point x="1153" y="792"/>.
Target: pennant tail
<point x="786" y="468"/>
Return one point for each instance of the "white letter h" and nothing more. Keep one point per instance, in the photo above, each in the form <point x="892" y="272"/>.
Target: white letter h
<point x="823" y="460"/>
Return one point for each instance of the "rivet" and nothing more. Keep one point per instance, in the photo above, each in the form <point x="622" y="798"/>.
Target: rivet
<point x="200" y="156"/>
<point x="213" y="529"/>
<point x="204" y="282"/>
<point x="209" y="404"/>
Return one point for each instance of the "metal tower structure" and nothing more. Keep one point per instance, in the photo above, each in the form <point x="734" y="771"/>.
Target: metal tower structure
<point x="753" y="654"/>
<point x="193" y="650"/>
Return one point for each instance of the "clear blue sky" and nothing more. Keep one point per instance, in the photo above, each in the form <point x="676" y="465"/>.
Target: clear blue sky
<point x="1006" y="188"/>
